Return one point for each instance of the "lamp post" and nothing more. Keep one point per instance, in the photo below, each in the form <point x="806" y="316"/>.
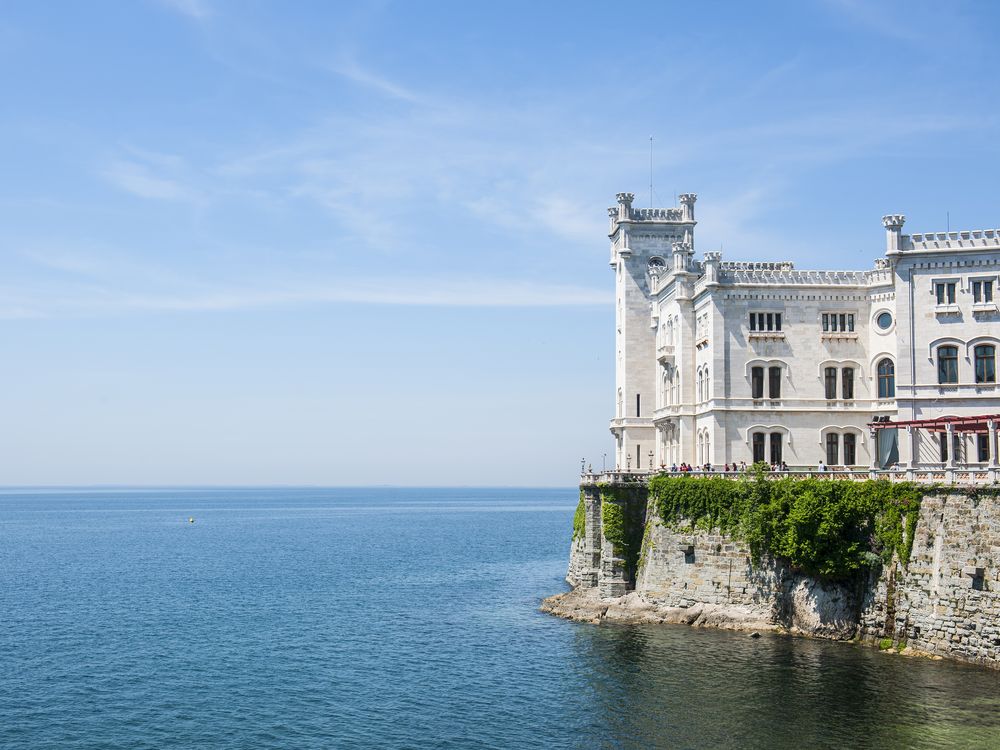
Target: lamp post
<point x="583" y="463"/>
<point x="604" y="461"/>
<point x="628" y="462"/>
<point x="651" y="460"/>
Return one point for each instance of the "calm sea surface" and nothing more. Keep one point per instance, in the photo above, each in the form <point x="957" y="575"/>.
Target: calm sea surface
<point x="392" y="618"/>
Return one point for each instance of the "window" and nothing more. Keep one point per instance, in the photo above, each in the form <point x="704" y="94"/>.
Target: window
<point x="765" y="321"/>
<point x="986" y="368"/>
<point x="847" y="382"/>
<point x="983" y="448"/>
<point x="886" y="379"/>
<point x="831" y="449"/>
<point x="838" y="322"/>
<point x="947" y="364"/>
<point x="774" y="382"/>
<point x="705" y="394"/>
<point x="757" y="382"/>
<point x="758" y="447"/>
<point x="945" y="292"/>
<point x="884" y="321"/>
<point x="830" y="378"/>
<point x="956" y="446"/>
<point x="637" y="405"/>
<point x="982" y="291"/>
<point x="776" y="448"/>
<point x="850" y="445"/>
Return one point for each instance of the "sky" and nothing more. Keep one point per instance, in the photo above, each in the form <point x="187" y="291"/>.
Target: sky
<point x="363" y="243"/>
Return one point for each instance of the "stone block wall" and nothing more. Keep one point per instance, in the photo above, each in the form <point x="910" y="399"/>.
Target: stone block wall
<point x="945" y="601"/>
<point x="685" y="567"/>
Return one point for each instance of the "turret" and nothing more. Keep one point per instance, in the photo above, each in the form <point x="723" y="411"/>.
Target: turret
<point x="625" y="206"/>
<point x="893" y="224"/>
<point x="687" y="205"/>
<point x="711" y="264"/>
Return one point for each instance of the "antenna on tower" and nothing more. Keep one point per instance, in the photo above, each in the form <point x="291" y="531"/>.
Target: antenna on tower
<point x="650" y="171"/>
<point x="948" y="219"/>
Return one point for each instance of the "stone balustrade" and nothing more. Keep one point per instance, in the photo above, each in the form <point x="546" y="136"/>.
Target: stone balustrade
<point x="965" y="476"/>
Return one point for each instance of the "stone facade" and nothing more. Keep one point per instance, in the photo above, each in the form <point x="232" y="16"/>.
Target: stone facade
<point x="720" y="362"/>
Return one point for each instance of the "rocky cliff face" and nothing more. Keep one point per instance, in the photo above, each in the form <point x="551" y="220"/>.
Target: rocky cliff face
<point x="945" y="601"/>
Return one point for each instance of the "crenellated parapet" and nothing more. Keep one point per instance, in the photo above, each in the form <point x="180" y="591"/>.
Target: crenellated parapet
<point x="672" y="215"/>
<point x="788" y="276"/>
<point x="974" y="239"/>
<point x="743" y="265"/>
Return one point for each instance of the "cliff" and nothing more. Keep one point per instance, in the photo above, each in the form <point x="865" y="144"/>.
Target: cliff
<point x="936" y="592"/>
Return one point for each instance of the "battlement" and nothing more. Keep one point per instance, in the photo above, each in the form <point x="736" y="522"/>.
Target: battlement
<point x="968" y="239"/>
<point x="746" y="265"/>
<point x="787" y="275"/>
<point x="658" y="214"/>
<point x="625" y="212"/>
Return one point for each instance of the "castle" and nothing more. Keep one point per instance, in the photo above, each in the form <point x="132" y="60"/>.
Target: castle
<point x="723" y="362"/>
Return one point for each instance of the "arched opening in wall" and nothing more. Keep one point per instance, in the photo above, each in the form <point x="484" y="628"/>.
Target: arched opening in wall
<point x="776" y="448"/>
<point x="985" y="358"/>
<point x="886" y="379"/>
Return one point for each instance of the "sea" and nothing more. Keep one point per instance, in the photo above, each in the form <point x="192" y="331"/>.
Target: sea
<point x="399" y="618"/>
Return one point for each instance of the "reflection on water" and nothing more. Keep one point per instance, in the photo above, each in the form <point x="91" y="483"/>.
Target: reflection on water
<point x="679" y="687"/>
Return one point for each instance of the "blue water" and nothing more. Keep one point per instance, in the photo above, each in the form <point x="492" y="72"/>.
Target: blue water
<point x="391" y="618"/>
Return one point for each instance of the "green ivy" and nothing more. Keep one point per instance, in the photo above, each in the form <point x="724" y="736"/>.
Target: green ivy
<point x="623" y="521"/>
<point x="580" y="519"/>
<point x="823" y="527"/>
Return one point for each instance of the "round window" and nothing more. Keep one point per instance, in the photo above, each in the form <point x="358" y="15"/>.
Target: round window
<point x="884" y="320"/>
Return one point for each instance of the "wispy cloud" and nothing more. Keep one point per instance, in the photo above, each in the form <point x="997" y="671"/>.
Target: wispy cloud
<point x="349" y="68"/>
<point x="89" y="284"/>
<point x="148" y="180"/>
<point x="199" y="10"/>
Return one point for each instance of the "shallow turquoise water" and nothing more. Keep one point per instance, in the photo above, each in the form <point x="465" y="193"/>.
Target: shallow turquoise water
<point x="392" y="618"/>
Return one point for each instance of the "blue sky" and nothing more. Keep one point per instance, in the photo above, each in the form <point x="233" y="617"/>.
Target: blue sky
<point x="309" y="243"/>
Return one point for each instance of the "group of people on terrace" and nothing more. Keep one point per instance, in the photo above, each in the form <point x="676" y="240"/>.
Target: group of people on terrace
<point x="727" y="468"/>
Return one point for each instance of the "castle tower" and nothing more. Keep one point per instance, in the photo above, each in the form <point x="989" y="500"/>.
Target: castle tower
<point x="661" y="239"/>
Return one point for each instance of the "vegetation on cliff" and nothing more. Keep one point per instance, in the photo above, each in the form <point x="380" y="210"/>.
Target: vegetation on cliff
<point x="823" y="527"/>
<point x="580" y="520"/>
<point x="623" y="520"/>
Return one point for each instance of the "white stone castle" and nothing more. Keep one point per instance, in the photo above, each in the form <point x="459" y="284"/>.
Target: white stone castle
<point x="724" y="362"/>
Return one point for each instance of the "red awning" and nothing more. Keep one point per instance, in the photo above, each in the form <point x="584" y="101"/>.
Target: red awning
<point x="940" y="424"/>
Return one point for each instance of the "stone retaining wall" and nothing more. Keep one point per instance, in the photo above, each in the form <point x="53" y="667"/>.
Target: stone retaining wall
<point x="945" y="602"/>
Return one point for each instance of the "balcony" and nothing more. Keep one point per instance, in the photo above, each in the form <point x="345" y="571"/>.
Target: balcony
<point x="665" y="354"/>
<point x="766" y="335"/>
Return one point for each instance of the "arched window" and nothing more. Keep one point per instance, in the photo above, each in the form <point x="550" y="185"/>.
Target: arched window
<point x="886" y="379"/>
<point x="947" y="364"/>
<point x="757" y="382"/>
<point x="850" y="448"/>
<point x="705" y="395"/>
<point x="776" y="448"/>
<point x="774" y="383"/>
<point x="986" y="363"/>
<point x="621" y="404"/>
